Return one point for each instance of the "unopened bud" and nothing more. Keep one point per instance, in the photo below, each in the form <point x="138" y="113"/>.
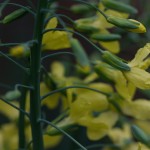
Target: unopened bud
<point x="12" y="95"/>
<point x="140" y="135"/>
<point x="115" y="61"/>
<point x="119" y="6"/>
<point x="80" y="54"/>
<point x="128" y="24"/>
<point x="14" y="15"/>
<point x="20" y="50"/>
<point x="105" y="37"/>
<point x="85" y="28"/>
<point x="81" y="8"/>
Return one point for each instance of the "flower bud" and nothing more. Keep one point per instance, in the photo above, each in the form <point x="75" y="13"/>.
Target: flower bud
<point x="140" y="135"/>
<point x="80" y="54"/>
<point x="14" y="15"/>
<point x="12" y="95"/>
<point x="115" y="61"/>
<point x="105" y="37"/>
<point x="85" y="28"/>
<point x="20" y="50"/>
<point x="81" y="8"/>
<point x="128" y="24"/>
<point x="119" y="6"/>
<point x="141" y="28"/>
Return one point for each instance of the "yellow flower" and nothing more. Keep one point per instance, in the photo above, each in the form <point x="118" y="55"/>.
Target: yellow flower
<point x="135" y="77"/>
<point x="120" y="136"/>
<point x="55" y="40"/>
<point x="139" y="108"/>
<point x="125" y="89"/>
<point x="138" y="76"/>
<point x="92" y="110"/>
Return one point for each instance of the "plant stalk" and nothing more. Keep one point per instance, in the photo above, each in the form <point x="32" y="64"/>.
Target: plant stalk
<point x="35" y="65"/>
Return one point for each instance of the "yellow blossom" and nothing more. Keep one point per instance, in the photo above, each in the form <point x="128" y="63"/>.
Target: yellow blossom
<point x="55" y="40"/>
<point x="94" y="114"/>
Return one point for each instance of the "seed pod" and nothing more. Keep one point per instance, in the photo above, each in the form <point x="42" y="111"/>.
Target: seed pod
<point x="14" y="15"/>
<point x="12" y="95"/>
<point x="115" y="61"/>
<point x="119" y="6"/>
<point x="140" y="135"/>
<point x="105" y="37"/>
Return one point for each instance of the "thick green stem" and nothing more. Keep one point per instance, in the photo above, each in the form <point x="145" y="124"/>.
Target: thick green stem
<point x="35" y="107"/>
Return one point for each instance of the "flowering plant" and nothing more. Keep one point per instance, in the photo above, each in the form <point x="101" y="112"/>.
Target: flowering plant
<point x="89" y="93"/>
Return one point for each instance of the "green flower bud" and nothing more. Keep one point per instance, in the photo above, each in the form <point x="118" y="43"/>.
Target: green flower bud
<point x="14" y="15"/>
<point x="119" y="6"/>
<point x="80" y="54"/>
<point x="115" y="61"/>
<point x="12" y="95"/>
<point x="128" y="24"/>
<point x="105" y="37"/>
<point x="85" y="28"/>
<point x="122" y="22"/>
<point x="81" y="9"/>
<point x="140" y="135"/>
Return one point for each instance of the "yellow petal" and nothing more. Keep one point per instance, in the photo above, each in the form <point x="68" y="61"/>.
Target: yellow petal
<point x="141" y="28"/>
<point x="51" y="141"/>
<point x="10" y="136"/>
<point x="140" y="78"/>
<point x="50" y="101"/>
<point x="112" y="46"/>
<point x="84" y="105"/>
<point x="99" y="126"/>
<point x="141" y="54"/>
<point x="57" y="69"/>
<point x="139" y="109"/>
<point x="120" y="136"/>
<point x="52" y="23"/>
<point x="94" y="134"/>
<point x="55" y="40"/>
<point x="9" y="111"/>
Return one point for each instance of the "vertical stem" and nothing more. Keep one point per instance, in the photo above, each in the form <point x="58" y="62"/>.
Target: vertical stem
<point x="35" y="107"/>
<point x="21" y="122"/>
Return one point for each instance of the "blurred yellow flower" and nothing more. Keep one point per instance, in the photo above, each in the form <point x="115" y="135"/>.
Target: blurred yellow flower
<point x="92" y="110"/>
<point x="55" y="40"/>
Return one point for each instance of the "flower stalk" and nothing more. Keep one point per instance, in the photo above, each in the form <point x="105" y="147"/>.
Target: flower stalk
<point x="35" y="65"/>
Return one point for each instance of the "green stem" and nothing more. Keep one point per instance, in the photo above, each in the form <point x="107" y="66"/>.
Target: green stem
<point x="21" y="123"/>
<point x="12" y="105"/>
<point x="35" y="107"/>
<point x="63" y="132"/>
<point x="21" y="6"/>
<point x="75" y="86"/>
<point x="90" y="5"/>
<point x="16" y="63"/>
